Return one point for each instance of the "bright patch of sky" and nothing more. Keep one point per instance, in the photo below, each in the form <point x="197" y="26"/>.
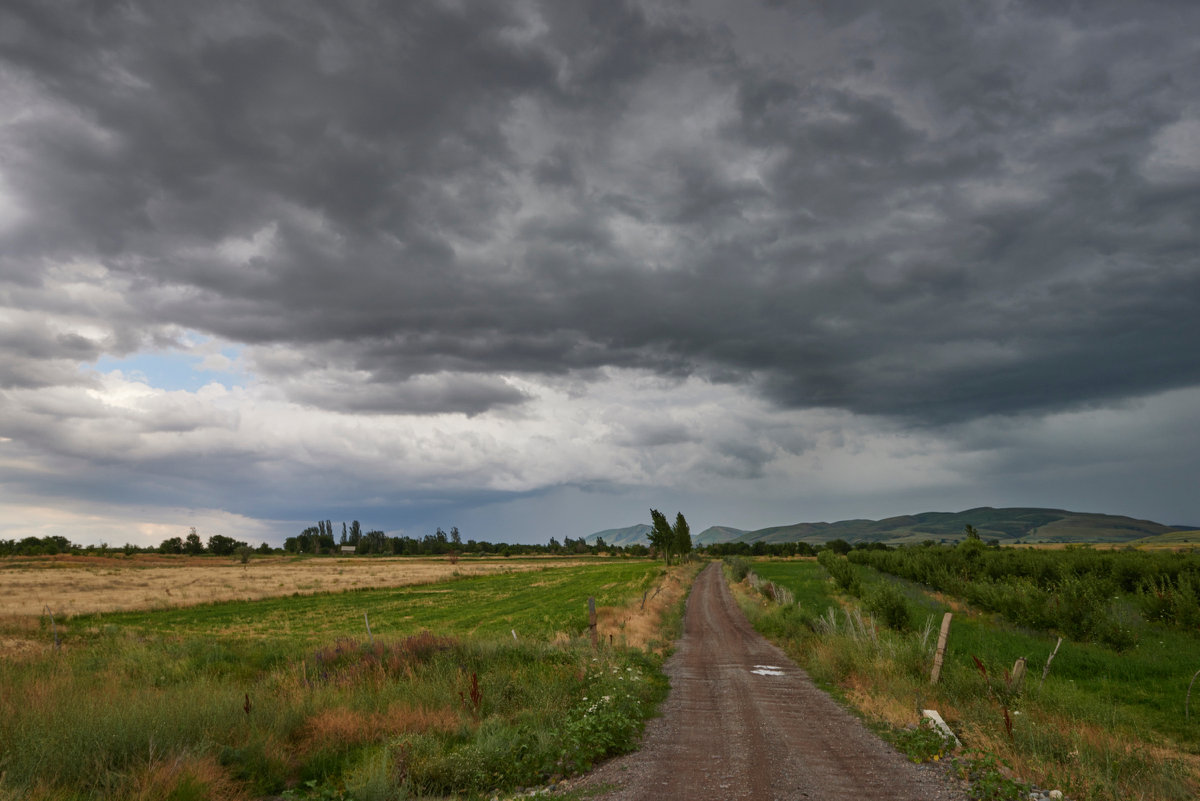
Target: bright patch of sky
<point x="200" y="363"/>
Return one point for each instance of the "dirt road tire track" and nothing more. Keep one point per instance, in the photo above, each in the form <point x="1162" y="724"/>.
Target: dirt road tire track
<point x="726" y="732"/>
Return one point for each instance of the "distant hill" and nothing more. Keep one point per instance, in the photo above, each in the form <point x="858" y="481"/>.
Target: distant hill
<point x="1173" y="539"/>
<point x="1009" y="526"/>
<point x="630" y="535"/>
<point x="715" y="534"/>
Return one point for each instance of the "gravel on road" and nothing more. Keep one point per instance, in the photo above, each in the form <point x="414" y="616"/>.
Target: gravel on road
<point x="742" y="721"/>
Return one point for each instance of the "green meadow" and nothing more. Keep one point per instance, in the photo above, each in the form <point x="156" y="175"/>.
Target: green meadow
<point x="293" y="698"/>
<point x="1104" y="724"/>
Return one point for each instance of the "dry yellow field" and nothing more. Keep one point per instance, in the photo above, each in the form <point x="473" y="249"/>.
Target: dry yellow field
<point x="77" y="585"/>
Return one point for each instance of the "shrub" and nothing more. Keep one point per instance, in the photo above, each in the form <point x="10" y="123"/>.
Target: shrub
<point x="843" y="573"/>
<point x="887" y="604"/>
<point x="738" y="567"/>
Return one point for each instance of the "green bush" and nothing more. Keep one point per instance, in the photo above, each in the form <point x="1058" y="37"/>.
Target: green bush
<point x="887" y="604"/>
<point x="843" y="573"/>
<point x="739" y="567"/>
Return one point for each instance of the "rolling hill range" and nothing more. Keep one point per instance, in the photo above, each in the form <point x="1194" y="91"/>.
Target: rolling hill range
<point x="1009" y="526"/>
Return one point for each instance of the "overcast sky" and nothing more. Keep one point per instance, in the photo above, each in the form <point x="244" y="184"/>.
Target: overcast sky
<point x="532" y="268"/>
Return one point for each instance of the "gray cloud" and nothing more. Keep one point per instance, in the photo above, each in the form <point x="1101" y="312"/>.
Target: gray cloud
<point x="933" y="212"/>
<point x="837" y="231"/>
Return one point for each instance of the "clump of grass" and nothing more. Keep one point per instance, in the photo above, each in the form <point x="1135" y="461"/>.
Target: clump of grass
<point x="922" y="742"/>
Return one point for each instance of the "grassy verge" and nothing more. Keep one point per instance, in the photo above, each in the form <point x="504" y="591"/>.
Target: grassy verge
<point x="292" y="697"/>
<point x="1104" y="725"/>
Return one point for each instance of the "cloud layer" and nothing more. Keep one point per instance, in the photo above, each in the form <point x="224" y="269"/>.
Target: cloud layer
<point x="465" y="250"/>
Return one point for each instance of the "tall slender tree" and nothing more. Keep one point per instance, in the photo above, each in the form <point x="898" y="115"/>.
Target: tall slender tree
<point x="682" y="535"/>
<point x="662" y="537"/>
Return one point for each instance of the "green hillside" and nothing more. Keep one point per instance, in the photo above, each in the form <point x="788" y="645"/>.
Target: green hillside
<point x="715" y="534"/>
<point x="623" y="537"/>
<point x="1171" y="539"/>
<point x="1012" y="525"/>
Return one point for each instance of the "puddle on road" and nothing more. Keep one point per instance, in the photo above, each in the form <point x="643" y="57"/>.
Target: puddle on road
<point x="767" y="670"/>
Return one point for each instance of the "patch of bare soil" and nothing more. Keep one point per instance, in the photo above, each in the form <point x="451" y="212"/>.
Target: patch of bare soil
<point x="744" y="722"/>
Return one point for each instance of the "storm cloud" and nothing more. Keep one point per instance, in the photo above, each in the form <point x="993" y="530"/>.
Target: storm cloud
<point x="680" y="242"/>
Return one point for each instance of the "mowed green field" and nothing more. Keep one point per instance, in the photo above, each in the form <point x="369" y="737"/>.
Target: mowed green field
<point x="290" y="697"/>
<point x="535" y="604"/>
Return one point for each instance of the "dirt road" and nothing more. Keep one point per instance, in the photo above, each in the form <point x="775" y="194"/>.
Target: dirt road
<point x="744" y="722"/>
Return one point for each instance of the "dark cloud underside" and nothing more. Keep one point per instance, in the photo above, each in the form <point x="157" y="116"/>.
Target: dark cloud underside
<point x="930" y="210"/>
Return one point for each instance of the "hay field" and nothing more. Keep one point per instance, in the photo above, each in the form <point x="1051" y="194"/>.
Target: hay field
<point x="73" y="585"/>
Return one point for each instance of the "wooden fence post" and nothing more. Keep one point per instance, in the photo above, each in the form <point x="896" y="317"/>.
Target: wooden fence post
<point x="592" y="622"/>
<point x="941" y="649"/>
<point x="1046" y="669"/>
<point x="1018" y="675"/>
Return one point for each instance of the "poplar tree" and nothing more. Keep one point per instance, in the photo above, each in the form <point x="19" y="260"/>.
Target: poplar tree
<point x="682" y="536"/>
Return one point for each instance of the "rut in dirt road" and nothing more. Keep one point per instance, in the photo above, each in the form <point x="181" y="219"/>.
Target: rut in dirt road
<point x="744" y="722"/>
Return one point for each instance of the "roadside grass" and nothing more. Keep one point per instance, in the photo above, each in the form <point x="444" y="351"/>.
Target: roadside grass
<point x="1104" y="725"/>
<point x="292" y="697"/>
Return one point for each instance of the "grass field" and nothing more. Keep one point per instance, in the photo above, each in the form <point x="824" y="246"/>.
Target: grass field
<point x="1104" y="725"/>
<point x="244" y="699"/>
<point x="72" y="585"/>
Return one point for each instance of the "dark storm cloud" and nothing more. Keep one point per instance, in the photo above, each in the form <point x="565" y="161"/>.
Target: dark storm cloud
<point x="427" y="394"/>
<point x="930" y="210"/>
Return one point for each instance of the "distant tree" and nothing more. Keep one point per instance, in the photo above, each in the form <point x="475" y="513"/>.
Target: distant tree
<point x="192" y="543"/>
<point x="326" y="543"/>
<point x="668" y="540"/>
<point x="171" y="545"/>
<point x="971" y="548"/>
<point x="682" y="538"/>
<point x="455" y="537"/>
<point x="661" y="537"/>
<point x="355" y="533"/>
<point x="345" y="536"/>
<point x="220" y="545"/>
<point x="839" y="546"/>
<point x="374" y="542"/>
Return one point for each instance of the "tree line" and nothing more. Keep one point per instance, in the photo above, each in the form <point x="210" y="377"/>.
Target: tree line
<point x="321" y="539"/>
<point x="217" y="545"/>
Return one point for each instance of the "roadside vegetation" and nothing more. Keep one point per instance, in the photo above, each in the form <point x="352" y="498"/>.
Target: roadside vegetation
<point x="1106" y="718"/>
<point x="467" y="688"/>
